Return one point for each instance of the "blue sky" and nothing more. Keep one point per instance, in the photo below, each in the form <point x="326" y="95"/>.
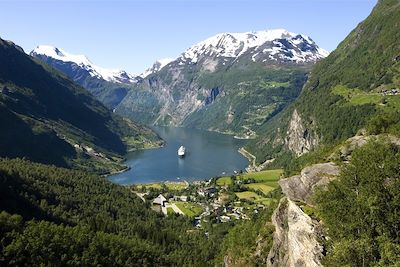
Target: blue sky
<point x="131" y="35"/>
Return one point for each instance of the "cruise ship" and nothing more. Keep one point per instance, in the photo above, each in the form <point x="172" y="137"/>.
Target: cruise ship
<point x="181" y="151"/>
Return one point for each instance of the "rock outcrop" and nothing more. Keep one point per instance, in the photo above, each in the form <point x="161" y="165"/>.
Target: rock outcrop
<point x="299" y="139"/>
<point x="296" y="234"/>
<point x="300" y="187"/>
<point x="345" y="151"/>
<point x="295" y="238"/>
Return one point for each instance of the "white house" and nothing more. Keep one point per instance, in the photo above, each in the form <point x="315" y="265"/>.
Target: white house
<point x="160" y="200"/>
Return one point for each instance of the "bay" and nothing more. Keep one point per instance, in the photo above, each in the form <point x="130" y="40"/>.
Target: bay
<point x="208" y="154"/>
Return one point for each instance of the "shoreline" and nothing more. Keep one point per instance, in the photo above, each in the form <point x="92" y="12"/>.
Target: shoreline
<point x="186" y="183"/>
<point x="161" y="145"/>
<point x="127" y="168"/>
<point x="250" y="157"/>
<point x="253" y="167"/>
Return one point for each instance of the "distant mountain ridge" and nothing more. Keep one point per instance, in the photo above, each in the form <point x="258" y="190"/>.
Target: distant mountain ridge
<point x="108" y="86"/>
<point x="278" y="44"/>
<point x="230" y="82"/>
<point x="117" y="76"/>
<point x="285" y="45"/>
<point x="157" y="66"/>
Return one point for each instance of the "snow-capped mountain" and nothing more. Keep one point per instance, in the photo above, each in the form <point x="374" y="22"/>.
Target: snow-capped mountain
<point x="219" y="83"/>
<point x="157" y="66"/>
<point x="54" y="53"/>
<point x="275" y="45"/>
<point x="266" y="47"/>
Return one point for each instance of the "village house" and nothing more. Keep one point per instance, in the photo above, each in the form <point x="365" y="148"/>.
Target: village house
<point x="160" y="200"/>
<point x="395" y="91"/>
<point x="159" y="204"/>
<point x="207" y="192"/>
<point x="180" y="198"/>
<point x="224" y="218"/>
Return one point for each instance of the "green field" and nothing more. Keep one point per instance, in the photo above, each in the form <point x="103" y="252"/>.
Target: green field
<point x="264" y="176"/>
<point x="265" y="181"/>
<point x="364" y="99"/>
<point x="247" y="195"/>
<point x="264" y="187"/>
<point x="357" y="97"/>
<point x="265" y="201"/>
<point x="155" y="186"/>
<point x="189" y="209"/>
<point x="268" y="177"/>
<point x="176" y="186"/>
<point x="226" y="180"/>
<point x="170" y="211"/>
<point x="251" y="196"/>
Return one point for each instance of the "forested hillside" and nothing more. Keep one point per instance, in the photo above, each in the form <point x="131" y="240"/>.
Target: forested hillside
<point x="70" y="218"/>
<point x="341" y="140"/>
<point x="47" y="118"/>
<point x="360" y="210"/>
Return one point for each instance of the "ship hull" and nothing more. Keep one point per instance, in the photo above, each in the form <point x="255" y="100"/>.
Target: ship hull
<point x="181" y="151"/>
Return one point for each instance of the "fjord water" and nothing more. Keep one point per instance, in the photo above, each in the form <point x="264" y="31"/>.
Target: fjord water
<point x="208" y="154"/>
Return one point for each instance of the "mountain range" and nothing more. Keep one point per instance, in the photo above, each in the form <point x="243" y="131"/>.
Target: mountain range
<point x="83" y="63"/>
<point x="231" y="82"/>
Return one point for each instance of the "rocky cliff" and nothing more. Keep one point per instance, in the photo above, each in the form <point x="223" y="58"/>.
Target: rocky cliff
<point x="300" y="187"/>
<point x="300" y="138"/>
<point x="297" y="236"/>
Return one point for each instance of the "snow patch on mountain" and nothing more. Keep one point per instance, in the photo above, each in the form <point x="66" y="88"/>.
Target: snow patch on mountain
<point x="111" y="75"/>
<point x="290" y="46"/>
<point x="157" y="66"/>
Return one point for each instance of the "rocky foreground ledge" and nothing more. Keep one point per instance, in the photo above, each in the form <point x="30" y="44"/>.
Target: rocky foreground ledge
<point x="296" y="234"/>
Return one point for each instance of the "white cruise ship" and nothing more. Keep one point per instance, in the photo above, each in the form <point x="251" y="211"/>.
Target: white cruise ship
<point x="181" y="151"/>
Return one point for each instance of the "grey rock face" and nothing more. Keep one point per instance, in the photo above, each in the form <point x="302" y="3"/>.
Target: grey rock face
<point x="299" y="139"/>
<point x="345" y="151"/>
<point x="296" y="234"/>
<point x="300" y="187"/>
<point x="295" y="238"/>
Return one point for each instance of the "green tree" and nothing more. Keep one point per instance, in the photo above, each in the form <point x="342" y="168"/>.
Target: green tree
<point x="361" y="209"/>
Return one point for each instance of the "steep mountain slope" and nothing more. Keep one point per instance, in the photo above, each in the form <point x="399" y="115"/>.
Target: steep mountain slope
<point x="47" y="118"/>
<point x="231" y="82"/>
<point x="355" y="87"/>
<point x="109" y="86"/>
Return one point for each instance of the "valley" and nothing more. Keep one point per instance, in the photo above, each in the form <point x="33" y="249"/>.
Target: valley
<point x="292" y="153"/>
<point x="230" y="83"/>
<point x="220" y="199"/>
